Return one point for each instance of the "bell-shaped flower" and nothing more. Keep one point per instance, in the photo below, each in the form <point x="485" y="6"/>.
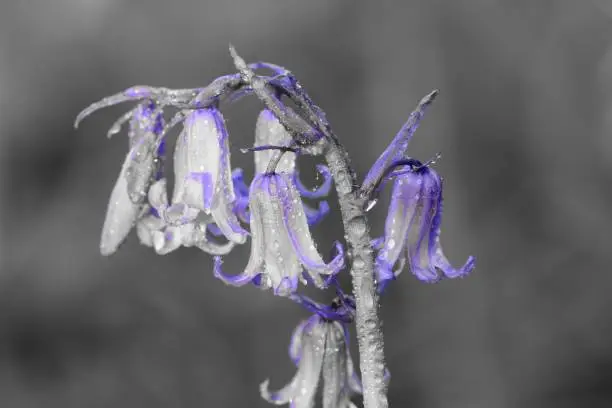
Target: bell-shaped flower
<point x="282" y="247"/>
<point x="319" y="348"/>
<point x="270" y="132"/>
<point x="140" y="167"/>
<point x="412" y="229"/>
<point x="203" y="177"/>
<point x="167" y="228"/>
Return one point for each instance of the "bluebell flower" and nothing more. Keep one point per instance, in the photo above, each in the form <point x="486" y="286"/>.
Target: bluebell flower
<point x="166" y="228"/>
<point x="203" y="176"/>
<point x="282" y="247"/>
<point x="140" y="167"/>
<point x="270" y="132"/>
<point x="319" y="348"/>
<point x="412" y="229"/>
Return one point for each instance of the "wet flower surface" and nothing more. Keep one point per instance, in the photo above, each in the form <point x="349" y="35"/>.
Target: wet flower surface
<point x="127" y="200"/>
<point x="202" y="170"/>
<point x="319" y="348"/>
<point x="282" y="247"/>
<point x="412" y="229"/>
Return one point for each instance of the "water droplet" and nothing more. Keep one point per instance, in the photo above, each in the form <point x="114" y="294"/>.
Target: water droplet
<point x="275" y="244"/>
<point x="358" y="263"/>
<point x="391" y="244"/>
<point x="116" y="128"/>
<point x="371" y="204"/>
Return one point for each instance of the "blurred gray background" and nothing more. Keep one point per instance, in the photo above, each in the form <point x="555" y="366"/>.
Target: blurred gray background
<point x="524" y="122"/>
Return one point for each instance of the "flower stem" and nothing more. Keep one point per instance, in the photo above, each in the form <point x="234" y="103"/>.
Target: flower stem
<point x="357" y="232"/>
<point x="367" y="321"/>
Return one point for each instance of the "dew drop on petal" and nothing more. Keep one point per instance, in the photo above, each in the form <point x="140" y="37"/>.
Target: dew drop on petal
<point x="371" y="205"/>
<point x="116" y="128"/>
<point x="391" y="244"/>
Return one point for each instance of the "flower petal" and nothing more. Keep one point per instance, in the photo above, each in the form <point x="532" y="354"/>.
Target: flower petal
<point x="240" y="187"/>
<point x="255" y="265"/>
<point x="401" y="216"/>
<point x="215" y="249"/>
<point x="282" y="266"/>
<point x="295" y="347"/>
<point x="145" y="228"/>
<point x="319" y="192"/>
<point x="302" y="388"/>
<point x="181" y="213"/>
<point x="167" y="240"/>
<point x="353" y="381"/>
<point x="197" y="161"/>
<point x="420" y="250"/>
<point x="121" y="214"/>
<point x="436" y="254"/>
<point x="270" y="132"/>
<point x="297" y="228"/>
<point x="227" y="221"/>
<point x="315" y="215"/>
<point x="142" y="166"/>
<point x="334" y="368"/>
<point x="158" y="196"/>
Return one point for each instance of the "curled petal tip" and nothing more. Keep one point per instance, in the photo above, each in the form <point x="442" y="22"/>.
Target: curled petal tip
<point x="107" y="250"/>
<point x="462" y="272"/>
<point x="238" y="280"/>
<point x="264" y="390"/>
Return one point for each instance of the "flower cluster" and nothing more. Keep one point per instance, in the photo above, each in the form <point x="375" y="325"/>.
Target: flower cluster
<point x="212" y="207"/>
<point x="211" y="202"/>
<point x="320" y="348"/>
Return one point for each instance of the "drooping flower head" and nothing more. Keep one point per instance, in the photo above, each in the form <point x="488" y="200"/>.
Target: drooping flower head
<point x="140" y="167"/>
<point x="202" y="171"/>
<point x="319" y="348"/>
<point x="193" y="229"/>
<point x="282" y="247"/>
<point x="269" y="132"/>
<point x="412" y="229"/>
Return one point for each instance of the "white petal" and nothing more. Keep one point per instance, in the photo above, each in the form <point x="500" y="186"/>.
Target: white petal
<point x="166" y="240"/>
<point x="269" y="131"/>
<point x="256" y="258"/>
<point x="198" y="151"/>
<point x="158" y="196"/>
<point x="298" y="231"/>
<point x="302" y="388"/>
<point x="227" y="221"/>
<point x="145" y="228"/>
<point x="141" y="167"/>
<point x="281" y="262"/>
<point x="334" y="368"/>
<point x="121" y="214"/>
